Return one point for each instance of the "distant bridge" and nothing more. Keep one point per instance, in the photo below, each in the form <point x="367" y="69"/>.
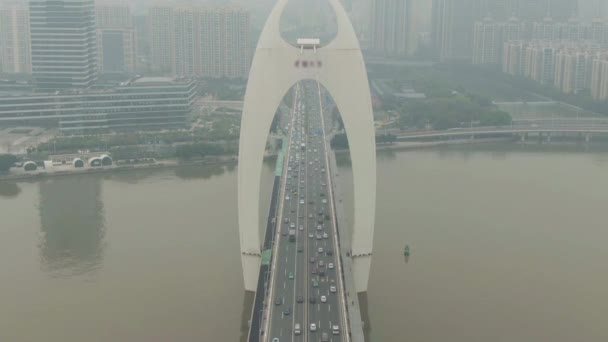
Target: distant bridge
<point x="585" y="127"/>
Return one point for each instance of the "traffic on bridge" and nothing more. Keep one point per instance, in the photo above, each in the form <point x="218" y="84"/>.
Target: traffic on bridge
<point x="306" y="286"/>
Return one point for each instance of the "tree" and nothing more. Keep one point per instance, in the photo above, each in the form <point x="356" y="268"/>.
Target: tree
<point x="6" y="162"/>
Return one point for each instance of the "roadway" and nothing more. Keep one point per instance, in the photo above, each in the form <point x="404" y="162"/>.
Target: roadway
<point x="306" y="287"/>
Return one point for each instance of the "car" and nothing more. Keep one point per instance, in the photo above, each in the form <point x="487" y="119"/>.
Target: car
<point x="300" y="299"/>
<point x="319" y="227"/>
<point x="311" y="235"/>
<point x="300" y="249"/>
<point x="312" y="300"/>
<point x="313" y="327"/>
<point x="290" y="275"/>
<point x="312" y="260"/>
<point x="286" y="220"/>
<point x="284" y="232"/>
<point x="323" y="299"/>
<point x="335" y="329"/>
<point x="315" y="283"/>
<point x="325" y="236"/>
<point x="319" y="236"/>
<point x="276" y="339"/>
<point x="321" y="263"/>
<point x="324" y="337"/>
<point x="329" y="252"/>
<point x="292" y="225"/>
<point x="301" y="227"/>
<point x="320" y="250"/>
<point x="287" y="311"/>
<point x="314" y="270"/>
<point x="330" y="265"/>
<point x="278" y="301"/>
<point x="332" y="289"/>
<point x="301" y="201"/>
<point x="324" y="201"/>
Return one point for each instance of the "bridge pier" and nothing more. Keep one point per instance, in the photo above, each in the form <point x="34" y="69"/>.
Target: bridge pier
<point x="548" y="137"/>
<point x="587" y="137"/>
<point x="523" y="137"/>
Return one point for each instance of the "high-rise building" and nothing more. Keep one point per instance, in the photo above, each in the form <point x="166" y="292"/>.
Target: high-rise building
<point x="559" y="10"/>
<point x="599" y="78"/>
<point x="15" y="56"/>
<point x="487" y="42"/>
<point x="162" y="44"/>
<point x="513" y="58"/>
<point x="598" y="32"/>
<point x="115" y="38"/>
<point x="453" y="22"/>
<point x="393" y="30"/>
<point x="547" y="29"/>
<point x="204" y="41"/>
<point x="573" y="70"/>
<point x="63" y="43"/>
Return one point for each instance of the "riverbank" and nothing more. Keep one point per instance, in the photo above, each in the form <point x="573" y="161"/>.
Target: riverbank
<point x="18" y="174"/>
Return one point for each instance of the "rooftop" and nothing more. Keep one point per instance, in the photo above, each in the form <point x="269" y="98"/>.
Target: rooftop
<point x="154" y="80"/>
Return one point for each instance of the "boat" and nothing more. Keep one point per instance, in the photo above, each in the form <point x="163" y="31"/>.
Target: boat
<point x="406" y="250"/>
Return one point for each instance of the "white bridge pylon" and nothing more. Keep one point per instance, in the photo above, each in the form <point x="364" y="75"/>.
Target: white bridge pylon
<point x="277" y="66"/>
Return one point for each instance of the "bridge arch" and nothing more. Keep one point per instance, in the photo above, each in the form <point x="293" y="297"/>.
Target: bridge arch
<point x="339" y="68"/>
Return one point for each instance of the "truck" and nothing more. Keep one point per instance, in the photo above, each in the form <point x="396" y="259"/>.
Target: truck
<point x="292" y="235"/>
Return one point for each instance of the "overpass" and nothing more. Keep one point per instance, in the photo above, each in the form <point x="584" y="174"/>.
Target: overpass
<point x="585" y="127"/>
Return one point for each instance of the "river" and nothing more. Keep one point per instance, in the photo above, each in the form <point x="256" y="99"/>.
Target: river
<point x="508" y="244"/>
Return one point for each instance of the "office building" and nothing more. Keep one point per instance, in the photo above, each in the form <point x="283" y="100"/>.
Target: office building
<point x="394" y="28"/>
<point x="452" y="30"/>
<point x="140" y="103"/>
<point x="115" y="38"/>
<point x="203" y="41"/>
<point x="15" y="56"/>
<point x="63" y="43"/>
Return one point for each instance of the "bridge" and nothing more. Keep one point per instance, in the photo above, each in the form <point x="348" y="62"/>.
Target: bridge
<point x="583" y="127"/>
<point x="307" y="269"/>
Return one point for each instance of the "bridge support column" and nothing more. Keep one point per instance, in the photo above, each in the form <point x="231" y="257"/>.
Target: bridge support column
<point x="522" y="137"/>
<point x="549" y="137"/>
<point x="587" y="137"/>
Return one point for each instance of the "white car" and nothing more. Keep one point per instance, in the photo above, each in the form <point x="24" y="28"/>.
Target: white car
<point x="313" y="327"/>
<point x="320" y="249"/>
<point x="325" y="236"/>
<point x="301" y="201"/>
<point x="330" y="265"/>
<point x="287" y="197"/>
<point x="311" y="235"/>
<point x="332" y="288"/>
<point x="323" y="299"/>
